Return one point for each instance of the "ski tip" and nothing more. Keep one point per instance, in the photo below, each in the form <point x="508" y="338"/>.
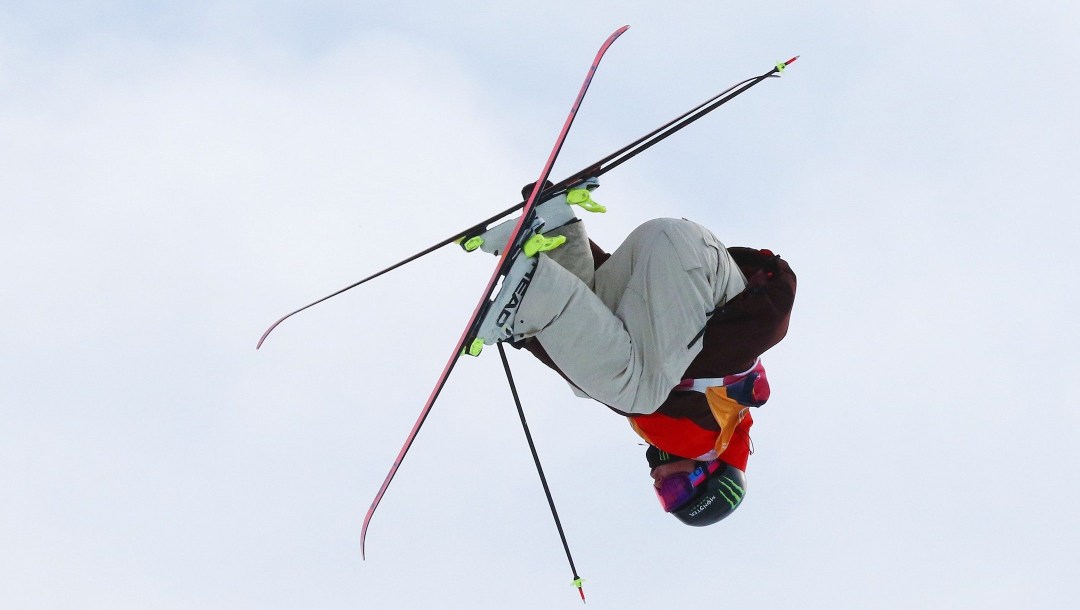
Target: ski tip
<point x="577" y="582"/>
<point x="268" y="331"/>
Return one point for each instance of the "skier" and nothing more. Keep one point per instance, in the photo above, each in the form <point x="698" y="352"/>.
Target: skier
<point x="663" y="331"/>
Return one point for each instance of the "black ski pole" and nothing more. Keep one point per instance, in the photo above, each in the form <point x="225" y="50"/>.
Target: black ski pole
<point x="578" y="581"/>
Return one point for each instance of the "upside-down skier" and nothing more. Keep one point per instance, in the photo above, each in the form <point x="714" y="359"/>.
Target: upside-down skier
<point x="667" y="331"/>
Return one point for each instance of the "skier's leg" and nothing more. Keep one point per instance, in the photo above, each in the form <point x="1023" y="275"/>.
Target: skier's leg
<point x="629" y="346"/>
<point x="575" y="255"/>
<point x="693" y="244"/>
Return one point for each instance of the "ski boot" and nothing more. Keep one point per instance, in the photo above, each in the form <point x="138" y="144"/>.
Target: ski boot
<point x="554" y="212"/>
<point x="550" y="214"/>
<point x="498" y="322"/>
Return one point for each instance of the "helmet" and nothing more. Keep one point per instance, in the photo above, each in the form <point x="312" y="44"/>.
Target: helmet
<point x="716" y="497"/>
<point x="708" y="494"/>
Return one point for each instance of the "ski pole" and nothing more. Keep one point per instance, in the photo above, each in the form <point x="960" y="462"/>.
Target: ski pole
<point x="577" y="582"/>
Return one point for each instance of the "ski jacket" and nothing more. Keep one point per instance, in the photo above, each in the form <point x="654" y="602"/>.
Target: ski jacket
<point x="685" y="438"/>
<point x="708" y="424"/>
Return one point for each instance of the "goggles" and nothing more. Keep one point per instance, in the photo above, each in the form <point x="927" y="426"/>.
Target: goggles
<point x="677" y="490"/>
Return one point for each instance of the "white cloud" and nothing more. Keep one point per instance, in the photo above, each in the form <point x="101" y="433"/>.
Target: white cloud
<point x="171" y="182"/>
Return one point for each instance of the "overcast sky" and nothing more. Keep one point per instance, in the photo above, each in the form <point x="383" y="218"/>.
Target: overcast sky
<point x="176" y="176"/>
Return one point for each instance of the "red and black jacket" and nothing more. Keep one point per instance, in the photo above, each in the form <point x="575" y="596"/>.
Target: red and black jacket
<point x="735" y="336"/>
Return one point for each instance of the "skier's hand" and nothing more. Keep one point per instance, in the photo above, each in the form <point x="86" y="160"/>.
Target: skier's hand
<point x="751" y="388"/>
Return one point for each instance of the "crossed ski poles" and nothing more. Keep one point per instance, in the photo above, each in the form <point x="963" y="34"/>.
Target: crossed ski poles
<point x="538" y="194"/>
<point x="594" y="170"/>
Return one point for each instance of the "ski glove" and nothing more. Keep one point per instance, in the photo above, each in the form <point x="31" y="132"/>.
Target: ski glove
<point x="751" y="388"/>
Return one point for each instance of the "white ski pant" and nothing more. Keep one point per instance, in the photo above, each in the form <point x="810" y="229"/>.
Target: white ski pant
<point x="626" y="334"/>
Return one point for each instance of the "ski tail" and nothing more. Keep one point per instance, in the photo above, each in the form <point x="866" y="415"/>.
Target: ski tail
<point x="477" y="315"/>
<point x="538" y="186"/>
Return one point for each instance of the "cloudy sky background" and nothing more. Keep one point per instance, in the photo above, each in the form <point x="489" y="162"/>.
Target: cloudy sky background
<point x="175" y="176"/>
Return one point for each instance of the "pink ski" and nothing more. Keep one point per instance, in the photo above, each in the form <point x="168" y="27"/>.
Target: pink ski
<point x="500" y="270"/>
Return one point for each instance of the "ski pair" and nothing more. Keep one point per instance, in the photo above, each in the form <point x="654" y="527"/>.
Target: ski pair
<point x="594" y="170"/>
